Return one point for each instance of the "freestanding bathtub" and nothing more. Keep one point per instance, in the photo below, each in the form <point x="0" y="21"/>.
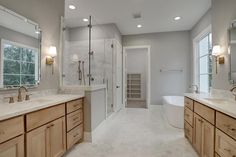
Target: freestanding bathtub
<point x="174" y="110"/>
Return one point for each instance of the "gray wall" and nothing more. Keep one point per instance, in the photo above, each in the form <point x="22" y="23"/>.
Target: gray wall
<point x="171" y="49"/>
<point x="106" y="31"/>
<point x="48" y="14"/>
<point x="223" y="12"/>
<point x="200" y="26"/>
<point x="21" y="38"/>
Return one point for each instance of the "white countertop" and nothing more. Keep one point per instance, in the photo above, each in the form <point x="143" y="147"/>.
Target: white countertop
<point x="228" y="106"/>
<point x="16" y="109"/>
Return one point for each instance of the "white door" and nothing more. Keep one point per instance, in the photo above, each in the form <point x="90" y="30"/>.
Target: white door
<point x="119" y="99"/>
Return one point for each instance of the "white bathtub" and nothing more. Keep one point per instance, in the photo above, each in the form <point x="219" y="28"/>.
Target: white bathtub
<point x="174" y="110"/>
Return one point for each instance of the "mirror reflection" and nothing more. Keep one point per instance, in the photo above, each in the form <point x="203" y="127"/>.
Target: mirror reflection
<point x="20" y="40"/>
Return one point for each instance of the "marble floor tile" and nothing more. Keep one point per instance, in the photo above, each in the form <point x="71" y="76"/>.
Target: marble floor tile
<point x="136" y="132"/>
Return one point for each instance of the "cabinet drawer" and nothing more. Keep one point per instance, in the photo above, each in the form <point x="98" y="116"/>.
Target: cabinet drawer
<point x="205" y="112"/>
<point x="224" y="145"/>
<point x="74" y="119"/>
<point x="74" y="136"/>
<point x="11" y="128"/>
<point x="188" y="103"/>
<point x="188" y="116"/>
<point x="39" y="118"/>
<point x="13" y="148"/>
<point x="74" y="105"/>
<point x="188" y="130"/>
<point x="226" y="124"/>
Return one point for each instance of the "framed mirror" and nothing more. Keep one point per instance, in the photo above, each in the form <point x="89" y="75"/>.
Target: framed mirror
<point x="20" y="45"/>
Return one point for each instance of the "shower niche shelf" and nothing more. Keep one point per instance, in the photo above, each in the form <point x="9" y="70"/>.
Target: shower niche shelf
<point x="133" y="86"/>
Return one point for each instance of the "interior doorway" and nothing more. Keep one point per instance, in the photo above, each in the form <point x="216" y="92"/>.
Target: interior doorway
<point x="137" y="76"/>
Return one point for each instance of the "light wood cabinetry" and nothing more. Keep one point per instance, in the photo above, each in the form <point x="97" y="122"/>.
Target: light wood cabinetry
<point x="13" y="148"/>
<point x="188" y="116"/>
<point x="11" y="128"/>
<point x="39" y="118"/>
<point x="226" y="124"/>
<point x="197" y="133"/>
<point x="74" y="119"/>
<point x="48" y="140"/>
<point x="43" y="133"/>
<point x="188" y="130"/>
<point x="205" y="112"/>
<point x="224" y="145"/>
<point x="188" y="103"/>
<point x="188" y="119"/>
<point x="213" y="133"/>
<point x="74" y="105"/>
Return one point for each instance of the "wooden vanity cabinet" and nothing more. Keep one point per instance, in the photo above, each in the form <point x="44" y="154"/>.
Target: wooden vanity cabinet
<point x="12" y="138"/>
<point x="203" y="137"/>
<point x="48" y="140"/>
<point x="74" y="118"/>
<point x="13" y="148"/>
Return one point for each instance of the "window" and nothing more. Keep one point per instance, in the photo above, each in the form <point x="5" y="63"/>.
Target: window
<point x="19" y="65"/>
<point x="204" y="61"/>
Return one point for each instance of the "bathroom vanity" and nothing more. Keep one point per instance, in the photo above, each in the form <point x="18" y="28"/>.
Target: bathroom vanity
<point x="210" y="125"/>
<point x="42" y="127"/>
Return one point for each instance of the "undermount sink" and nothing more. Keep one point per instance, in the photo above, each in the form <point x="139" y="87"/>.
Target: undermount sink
<point x="219" y="101"/>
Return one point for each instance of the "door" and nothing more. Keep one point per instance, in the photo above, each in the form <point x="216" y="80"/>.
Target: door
<point x="109" y="74"/>
<point x="38" y="142"/>
<point x="197" y="133"/>
<point x="57" y="136"/>
<point x="119" y="99"/>
<point x="207" y="139"/>
<point x="13" y="148"/>
<point x="48" y="140"/>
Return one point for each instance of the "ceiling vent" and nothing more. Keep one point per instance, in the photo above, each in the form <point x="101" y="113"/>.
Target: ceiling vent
<point x="137" y="16"/>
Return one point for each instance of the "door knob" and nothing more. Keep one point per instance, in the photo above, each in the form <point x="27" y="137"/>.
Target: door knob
<point x="117" y="86"/>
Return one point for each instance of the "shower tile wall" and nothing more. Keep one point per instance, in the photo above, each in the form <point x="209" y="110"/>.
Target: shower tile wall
<point x="76" y="43"/>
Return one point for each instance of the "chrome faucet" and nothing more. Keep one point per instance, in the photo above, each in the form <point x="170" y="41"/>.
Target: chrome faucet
<point x="196" y="88"/>
<point x="233" y="91"/>
<point x="19" y="93"/>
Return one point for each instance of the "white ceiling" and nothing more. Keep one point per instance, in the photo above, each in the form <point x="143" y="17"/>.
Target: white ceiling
<point x="157" y="15"/>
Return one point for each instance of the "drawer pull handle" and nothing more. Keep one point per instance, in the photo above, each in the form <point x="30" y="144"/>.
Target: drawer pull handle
<point x="50" y="126"/>
<point x="233" y="129"/>
<point x="200" y="120"/>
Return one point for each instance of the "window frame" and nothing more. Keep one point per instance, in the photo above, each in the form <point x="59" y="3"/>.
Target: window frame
<point x="37" y="63"/>
<point x="196" y="56"/>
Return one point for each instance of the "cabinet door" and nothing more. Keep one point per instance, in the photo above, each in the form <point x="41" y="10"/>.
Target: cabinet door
<point x="197" y="133"/>
<point x="38" y="142"/>
<point x="58" y="138"/>
<point x="207" y="139"/>
<point x="13" y="148"/>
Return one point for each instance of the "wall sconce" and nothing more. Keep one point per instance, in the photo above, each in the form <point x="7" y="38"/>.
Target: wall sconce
<point x="216" y="52"/>
<point x="52" y="53"/>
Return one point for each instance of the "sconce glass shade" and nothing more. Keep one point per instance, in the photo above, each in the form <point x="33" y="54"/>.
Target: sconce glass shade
<point x="52" y="51"/>
<point x="216" y="51"/>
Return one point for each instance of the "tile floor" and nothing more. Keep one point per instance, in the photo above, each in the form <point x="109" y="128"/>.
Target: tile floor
<point x="136" y="104"/>
<point x="136" y="133"/>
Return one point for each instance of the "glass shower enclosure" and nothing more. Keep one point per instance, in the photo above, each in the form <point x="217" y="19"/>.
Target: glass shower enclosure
<point x="87" y="56"/>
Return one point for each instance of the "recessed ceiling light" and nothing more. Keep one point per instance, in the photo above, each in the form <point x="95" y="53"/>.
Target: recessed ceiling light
<point x="139" y="26"/>
<point x="85" y="20"/>
<point x="72" y="7"/>
<point x="177" y="18"/>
